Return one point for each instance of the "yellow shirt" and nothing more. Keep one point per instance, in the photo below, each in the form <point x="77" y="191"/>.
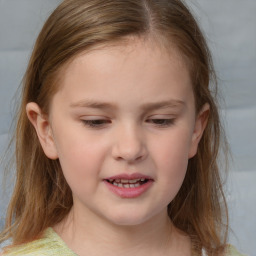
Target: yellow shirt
<point x="52" y="245"/>
<point x="49" y="245"/>
<point x="233" y="252"/>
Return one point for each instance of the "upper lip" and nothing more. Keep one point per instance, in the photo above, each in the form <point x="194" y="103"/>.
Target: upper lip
<point x="133" y="176"/>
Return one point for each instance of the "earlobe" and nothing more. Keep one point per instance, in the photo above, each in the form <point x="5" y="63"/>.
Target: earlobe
<point x="200" y="124"/>
<point x="43" y="129"/>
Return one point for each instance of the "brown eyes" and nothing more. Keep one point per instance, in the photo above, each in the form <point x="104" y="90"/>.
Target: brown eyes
<point x="161" y="122"/>
<point x="96" y="123"/>
<point x="101" y="123"/>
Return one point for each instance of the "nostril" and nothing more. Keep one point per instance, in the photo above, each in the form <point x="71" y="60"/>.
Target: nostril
<point x="129" y="158"/>
<point x="139" y="157"/>
<point x="129" y="149"/>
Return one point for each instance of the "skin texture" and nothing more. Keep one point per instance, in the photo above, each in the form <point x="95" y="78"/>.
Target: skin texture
<point x="143" y="100"/>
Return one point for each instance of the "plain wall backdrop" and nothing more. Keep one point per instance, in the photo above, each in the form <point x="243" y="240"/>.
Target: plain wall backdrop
<point x="230" y="28"/>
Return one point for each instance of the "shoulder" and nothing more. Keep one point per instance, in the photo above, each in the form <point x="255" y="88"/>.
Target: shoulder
<point x="49" y="244"/>
<point x="232" y="251"/>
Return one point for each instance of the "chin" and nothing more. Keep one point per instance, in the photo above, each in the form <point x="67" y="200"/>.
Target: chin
<point x="129" y="219"/>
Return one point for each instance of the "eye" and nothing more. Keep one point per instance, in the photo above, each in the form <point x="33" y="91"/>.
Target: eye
<point x="96" y="123"/>
<point x="161" y="122"/>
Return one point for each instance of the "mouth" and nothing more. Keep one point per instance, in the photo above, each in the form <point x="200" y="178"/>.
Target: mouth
<point x="128" y="183"/>
<point x="129" y="186"/>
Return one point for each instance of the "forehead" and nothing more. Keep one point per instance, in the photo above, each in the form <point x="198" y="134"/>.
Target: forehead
<point x="138" y="50"/>
<point x="128" y="67"/>
<point x="129" y="46"/>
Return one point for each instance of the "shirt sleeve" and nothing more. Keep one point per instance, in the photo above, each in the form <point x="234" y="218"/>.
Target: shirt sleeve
<point x="232" y="251"/>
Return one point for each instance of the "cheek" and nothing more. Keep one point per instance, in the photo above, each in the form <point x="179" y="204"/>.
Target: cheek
<point x="75" y="148"/>
<point x="174" y="167"/>
<point x="172" y="161"/>
<point x="173" y="149"/>
<point x="80" y="160"/>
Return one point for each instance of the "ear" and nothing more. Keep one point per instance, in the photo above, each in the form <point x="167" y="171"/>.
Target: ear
<point x="43" y="129"/>
<point x="200" y="124"/>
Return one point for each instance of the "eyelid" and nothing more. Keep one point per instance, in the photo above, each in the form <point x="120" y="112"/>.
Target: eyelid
<point x="161" y="120"/>
<point x="95" y="121"/>
<point x="161" y="116"/>
<point x="93" y="117"/>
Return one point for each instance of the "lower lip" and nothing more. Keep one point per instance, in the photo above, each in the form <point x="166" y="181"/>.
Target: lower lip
<point x="129" y="192"/>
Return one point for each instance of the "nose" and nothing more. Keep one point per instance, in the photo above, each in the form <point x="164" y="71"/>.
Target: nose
<point x="130" y="145"/>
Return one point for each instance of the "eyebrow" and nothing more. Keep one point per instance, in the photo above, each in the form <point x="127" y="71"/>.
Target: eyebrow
<point x="145" y="107"/>
<point x="162" y="105"/>
<point x="93" y="104"/>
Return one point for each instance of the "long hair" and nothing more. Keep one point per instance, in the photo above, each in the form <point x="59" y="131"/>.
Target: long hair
<point x="41" y="196"/>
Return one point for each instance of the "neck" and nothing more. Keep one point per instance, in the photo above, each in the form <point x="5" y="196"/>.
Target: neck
<point x="97" y="236"/>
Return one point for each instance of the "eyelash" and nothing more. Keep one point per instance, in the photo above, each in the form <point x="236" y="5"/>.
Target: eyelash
<point x="98" y="123"/>
<point x="161" y="122"/>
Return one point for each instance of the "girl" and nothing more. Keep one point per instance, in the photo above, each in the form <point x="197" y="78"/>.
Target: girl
<point x="118" y="136"/>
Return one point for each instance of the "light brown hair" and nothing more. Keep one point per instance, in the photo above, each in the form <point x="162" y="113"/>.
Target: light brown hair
<point x="41" y="196"/>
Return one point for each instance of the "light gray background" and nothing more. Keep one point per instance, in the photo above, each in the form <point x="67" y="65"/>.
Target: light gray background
<point x="230" y="27"/>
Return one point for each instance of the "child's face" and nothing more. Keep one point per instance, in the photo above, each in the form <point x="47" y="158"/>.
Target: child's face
<point x="123" y="112"/>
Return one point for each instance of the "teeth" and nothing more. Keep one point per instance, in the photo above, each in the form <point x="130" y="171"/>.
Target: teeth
<point x="134" y="181"/>
<point x="120" y="185"/>
<point x="123" y="183"/>
<point x="126" y="181"/>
